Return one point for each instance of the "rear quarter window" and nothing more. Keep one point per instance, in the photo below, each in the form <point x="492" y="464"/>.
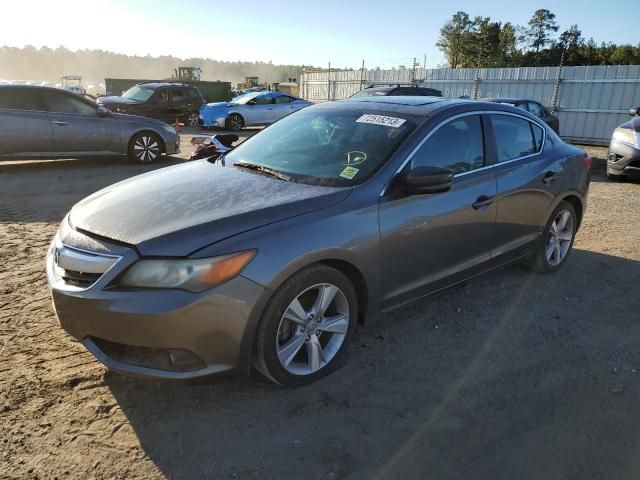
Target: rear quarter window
<point x="514" y="137"/>
<point x="20" y="99"/>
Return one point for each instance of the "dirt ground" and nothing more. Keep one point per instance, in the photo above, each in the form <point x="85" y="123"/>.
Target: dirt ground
<point x="511" y="376"/>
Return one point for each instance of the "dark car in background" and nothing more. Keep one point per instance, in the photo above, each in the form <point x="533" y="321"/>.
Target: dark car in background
<point x="624" y="149"/>
<point x="165" y="101"/>
<point x="43" y="122"/>
<point x="270" y="255"/>
<point x="397" y="90"/>
<point x="533" y="107"/>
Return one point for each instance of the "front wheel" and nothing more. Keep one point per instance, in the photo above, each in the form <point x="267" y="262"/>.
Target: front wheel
<point x="193" y="119"/>
<point x="145" y="147"/>
<point x="306" y="327"/>
<point x="554" y="246"/>
<point x="235" y="122"/>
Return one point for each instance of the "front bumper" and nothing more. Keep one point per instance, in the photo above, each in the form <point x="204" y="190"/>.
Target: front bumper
<point x="623" y="158"/>
<point x="172" y="145"/>
<point x="159" y="333"/>
<point x="212" y="122"/>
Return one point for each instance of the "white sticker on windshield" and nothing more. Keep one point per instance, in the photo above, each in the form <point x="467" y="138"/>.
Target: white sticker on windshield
<point x="392" y="122"/>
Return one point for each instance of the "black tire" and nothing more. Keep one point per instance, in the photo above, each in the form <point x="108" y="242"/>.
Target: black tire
<point x="616" y="178"/>
<point x="539" y="261"/>
<point x="268" y="335"/>
<point x="145" y="147"/>
<point x="193" y="119"/>
<point x="234" y="122"/>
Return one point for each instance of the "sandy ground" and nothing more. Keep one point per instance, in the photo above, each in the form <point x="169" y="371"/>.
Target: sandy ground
<point x="513" y="375"/>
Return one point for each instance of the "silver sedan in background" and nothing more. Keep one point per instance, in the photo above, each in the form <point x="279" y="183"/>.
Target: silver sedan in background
<point x="42" y="122"/>
<point x="250" y="109"/>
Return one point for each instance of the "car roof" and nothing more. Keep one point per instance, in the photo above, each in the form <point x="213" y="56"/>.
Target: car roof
<point x="422" y="106"/>
<point x="154" y="85"/>
<point x="509" y="100"/>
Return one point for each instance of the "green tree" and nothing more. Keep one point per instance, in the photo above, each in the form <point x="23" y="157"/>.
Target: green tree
<point x="541" y="28"/>
<point x="453" y="35"/>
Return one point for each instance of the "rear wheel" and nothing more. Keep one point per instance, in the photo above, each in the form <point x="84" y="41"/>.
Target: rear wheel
<point x="145" y="147"/>
<point x="306" y="327"/>
<point x="556" y="242"/>
<point x="235" y="122"/>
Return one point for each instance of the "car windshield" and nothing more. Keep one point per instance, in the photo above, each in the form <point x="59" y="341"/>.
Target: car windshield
<point x="243" y="99"/>
<point x="371" y="92"/>
<point x="333" y="147"/>
<point x="138" y="93"/>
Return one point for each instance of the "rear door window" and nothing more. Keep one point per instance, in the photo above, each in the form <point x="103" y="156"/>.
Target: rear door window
<point x="457" y="146"/>
<point x="20" y="99"/>
<point x="60" y="102"/>
<point x="178" y="95"/>
<point x="284" y="99"/>
<point x="514" y="137"/>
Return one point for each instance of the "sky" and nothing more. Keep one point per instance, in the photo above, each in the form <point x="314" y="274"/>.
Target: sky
<point x="343" y="32"/>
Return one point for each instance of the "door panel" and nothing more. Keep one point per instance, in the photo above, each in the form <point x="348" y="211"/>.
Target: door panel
<point x="429" y="241"/>
<point x="24" y="126"/>
<point x="77" y="127"/>
<point x="527" y="188"/>
<point x="261" y="112"/>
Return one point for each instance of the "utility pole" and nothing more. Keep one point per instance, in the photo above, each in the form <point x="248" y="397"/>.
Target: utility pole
<point x="362" y="76"/>
<point x="329" y="83"/>
<point x="413" y="71"/>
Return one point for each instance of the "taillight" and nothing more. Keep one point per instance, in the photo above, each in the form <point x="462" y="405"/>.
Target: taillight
<point x="587" y="163"/>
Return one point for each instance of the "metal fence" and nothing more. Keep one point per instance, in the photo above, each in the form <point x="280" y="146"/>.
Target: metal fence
<point x="589" y="101"/>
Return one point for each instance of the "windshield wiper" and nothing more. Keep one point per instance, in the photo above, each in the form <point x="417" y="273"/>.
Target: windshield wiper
<point x="262" y="169"/>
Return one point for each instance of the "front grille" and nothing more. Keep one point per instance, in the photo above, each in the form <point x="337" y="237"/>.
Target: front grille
<point x="78" y="268"/>
<point x="168" y="359"/>
<point x="79" y="279"/>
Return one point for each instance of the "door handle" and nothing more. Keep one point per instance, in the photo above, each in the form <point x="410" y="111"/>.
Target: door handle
<point x="550" y="176"/>
<point x="483" y="201"/>
<point x="61" y="123"/>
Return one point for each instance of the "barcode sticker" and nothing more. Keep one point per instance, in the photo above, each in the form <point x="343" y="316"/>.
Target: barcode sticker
<point x="392" y="122"/>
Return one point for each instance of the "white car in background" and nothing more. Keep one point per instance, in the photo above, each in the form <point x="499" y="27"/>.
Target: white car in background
<point x="250" y="109"/>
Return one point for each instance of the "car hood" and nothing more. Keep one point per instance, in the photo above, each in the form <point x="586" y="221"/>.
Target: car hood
<point x="175" y="211"/>
<point x="114" y="100"/>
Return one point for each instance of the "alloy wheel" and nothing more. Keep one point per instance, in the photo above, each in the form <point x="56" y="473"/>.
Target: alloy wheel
<point x="235" y="121"/>
<point x="193" y="120"/>
<point x="560" y="238"/>
<point x="146" y="148"/>
<point x="312" y="329"/>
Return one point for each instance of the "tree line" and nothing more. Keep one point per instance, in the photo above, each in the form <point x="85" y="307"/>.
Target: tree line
<point x="46" y="64"/>
<point x="481" y="42"/>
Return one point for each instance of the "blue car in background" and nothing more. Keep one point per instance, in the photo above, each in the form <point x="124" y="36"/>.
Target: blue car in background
<point x="250" y="109"/>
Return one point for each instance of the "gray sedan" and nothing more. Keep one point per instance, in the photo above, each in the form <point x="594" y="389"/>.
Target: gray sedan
<point x="41" y="122"/>
<point x="270" y="255"/>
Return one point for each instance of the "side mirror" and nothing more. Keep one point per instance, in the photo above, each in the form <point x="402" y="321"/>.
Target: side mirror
<point x="425" y="180"/>
<point x="103" y="112"/>
<point x="634" y="111"/>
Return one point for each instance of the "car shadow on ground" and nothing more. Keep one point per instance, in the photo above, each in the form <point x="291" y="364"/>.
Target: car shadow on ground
<point x="511" y="375"/>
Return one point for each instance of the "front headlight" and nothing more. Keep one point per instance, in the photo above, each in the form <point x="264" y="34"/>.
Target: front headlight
<point x="192" y="275"/>
<point x="626" y="135"/>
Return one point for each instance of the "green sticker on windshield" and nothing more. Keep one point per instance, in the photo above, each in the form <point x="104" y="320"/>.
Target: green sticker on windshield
<point x="349" y="172"/>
